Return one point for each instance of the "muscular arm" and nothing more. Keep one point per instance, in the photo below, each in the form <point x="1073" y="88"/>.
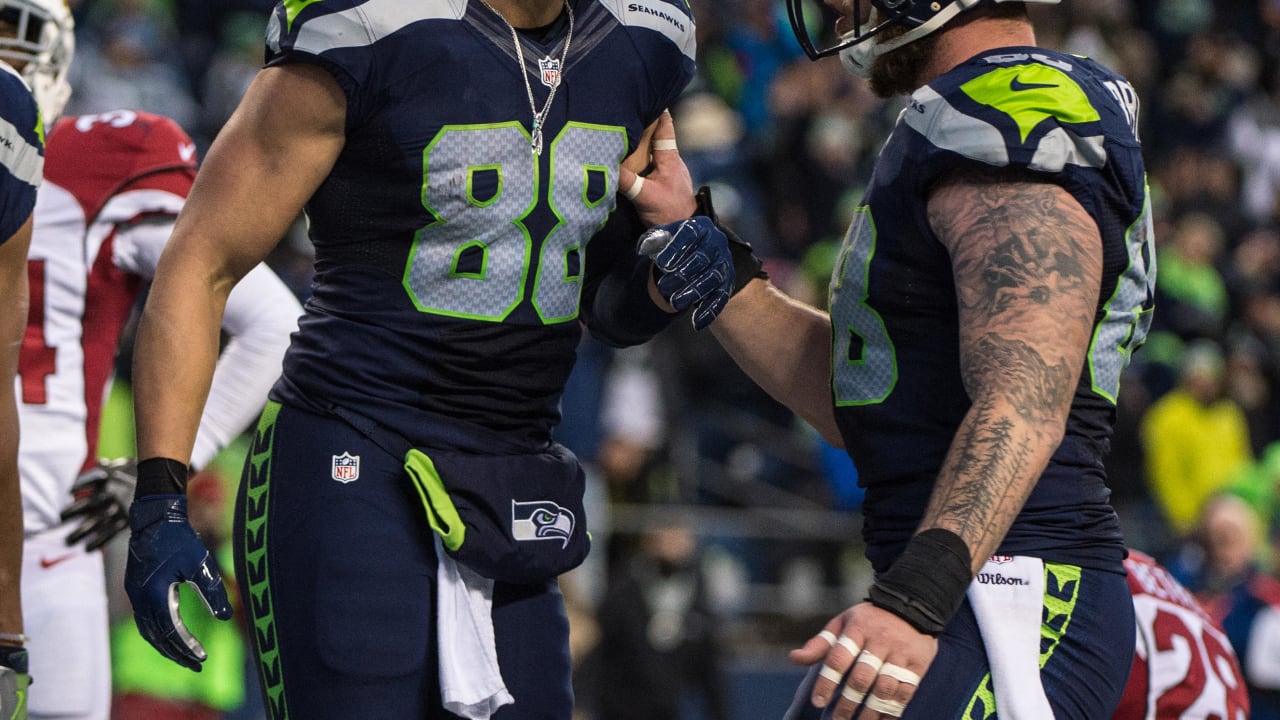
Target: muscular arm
<point x="13" y="321"/>
<point x="266" y="162"/>
<point x="785" y="346"/>
<point x="1027" y="261"/>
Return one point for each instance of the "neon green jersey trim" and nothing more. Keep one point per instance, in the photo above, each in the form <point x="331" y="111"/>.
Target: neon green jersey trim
<point x="1032" y="93"/>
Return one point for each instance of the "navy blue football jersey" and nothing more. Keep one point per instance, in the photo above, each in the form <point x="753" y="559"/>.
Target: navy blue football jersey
<point x="896" y="375"/>
<point x="21" y="152"/>
<point x="449" y="256"/>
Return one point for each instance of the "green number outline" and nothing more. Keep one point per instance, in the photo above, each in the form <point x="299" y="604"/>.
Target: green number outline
<point x="874" y="337"/>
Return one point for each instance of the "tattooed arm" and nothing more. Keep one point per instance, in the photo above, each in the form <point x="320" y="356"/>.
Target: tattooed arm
<point x="1027" y="262"/>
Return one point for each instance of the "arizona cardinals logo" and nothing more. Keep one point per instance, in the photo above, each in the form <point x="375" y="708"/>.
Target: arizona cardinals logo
<point x="541" y="520"/>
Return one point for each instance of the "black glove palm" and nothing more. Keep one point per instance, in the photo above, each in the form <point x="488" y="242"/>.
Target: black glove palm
<point x="102" y="495"/>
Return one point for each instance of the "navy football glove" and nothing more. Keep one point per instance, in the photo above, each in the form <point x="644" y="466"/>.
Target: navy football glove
<point x="102" y="495"/>
<point x="14" y="681"/>
<point x="695" y="266"/>
<point x="164" y="551"/>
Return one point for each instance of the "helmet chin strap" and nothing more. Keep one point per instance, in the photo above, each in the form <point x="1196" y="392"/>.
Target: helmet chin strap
<point x="857" y="58"/>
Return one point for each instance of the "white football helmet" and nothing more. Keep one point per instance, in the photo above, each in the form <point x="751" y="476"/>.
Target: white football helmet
<point x="856" y="53"/>
<point x="41" y="42"/>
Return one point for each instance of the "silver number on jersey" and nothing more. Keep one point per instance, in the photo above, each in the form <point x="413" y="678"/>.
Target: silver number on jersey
<point x="579" y="151"/>
<point x="1127" y="314"/>
<point x="489" y="230"/>
<point x="864" y="363"/>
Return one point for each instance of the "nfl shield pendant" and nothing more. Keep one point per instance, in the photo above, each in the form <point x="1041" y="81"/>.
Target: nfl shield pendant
<point x="550" y="68"/>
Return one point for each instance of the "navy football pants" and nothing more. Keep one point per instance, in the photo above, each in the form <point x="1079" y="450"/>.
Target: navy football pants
<point x="337" y="579"/>
<point x="1088" y="640"/>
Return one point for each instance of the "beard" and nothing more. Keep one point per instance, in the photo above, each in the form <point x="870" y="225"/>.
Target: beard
<point x="897" y="72"/>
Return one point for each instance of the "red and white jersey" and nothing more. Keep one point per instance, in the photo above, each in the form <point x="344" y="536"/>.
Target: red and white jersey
<point x="1183" y="667"/>
<point x="114" y="184"/>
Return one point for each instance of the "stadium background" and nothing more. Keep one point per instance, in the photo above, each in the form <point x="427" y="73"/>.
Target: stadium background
<point x="726" y="531"/>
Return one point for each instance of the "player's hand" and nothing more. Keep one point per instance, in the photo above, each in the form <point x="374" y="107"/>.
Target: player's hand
<point x="665" y="193"/>
<point x="102" y="494"/>
<point x="164" y="551"/>
<point x="14" y="681"/>
<point x="695" y="267"/>
<point x="872" y="659"/>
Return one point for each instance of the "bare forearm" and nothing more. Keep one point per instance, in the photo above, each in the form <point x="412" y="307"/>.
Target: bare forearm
<point x="13" y="319"/>
<point x="280" y="144"/>
<point x="174" y="358"/>
<point x="785" y="346"/>
<point x="11" y="531"/>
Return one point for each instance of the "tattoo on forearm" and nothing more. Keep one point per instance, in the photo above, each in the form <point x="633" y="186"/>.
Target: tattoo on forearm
<point x="1027" y="266"/>
<point x="990" y="448"/>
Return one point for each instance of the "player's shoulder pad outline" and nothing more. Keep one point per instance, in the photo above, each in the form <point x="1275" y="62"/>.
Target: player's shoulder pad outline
<point x="671" y="18"/>
<point x="319" y="26"/>
<point x="1025" y="103"/>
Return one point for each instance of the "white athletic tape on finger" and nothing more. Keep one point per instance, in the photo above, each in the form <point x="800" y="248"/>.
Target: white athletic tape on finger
<point x="871" y="661"/>
<point x="852" y="695"/>
<point x="634" y="191"/>
<point x="664" y="144"/>
<point x="829" y="673"/>
<point x="892" y="708"/>
<point x="850" y="645"/>
<point x="899" y="673"/>
<point x="829" y="636"/>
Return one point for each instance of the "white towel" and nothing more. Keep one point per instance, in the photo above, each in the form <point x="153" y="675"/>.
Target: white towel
<point x="1008" y="602"/>
<point x="471" y="683"/>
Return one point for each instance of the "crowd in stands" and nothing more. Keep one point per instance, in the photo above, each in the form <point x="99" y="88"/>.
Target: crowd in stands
<point x="786" y="145"/>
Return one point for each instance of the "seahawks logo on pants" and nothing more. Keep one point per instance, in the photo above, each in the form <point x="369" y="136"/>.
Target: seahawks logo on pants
<point x="541" y="520"/>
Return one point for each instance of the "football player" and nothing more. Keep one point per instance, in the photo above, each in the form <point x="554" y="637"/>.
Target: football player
<point x="991" y="287"/>
<point x="114" y="184"/>
<point x="35" y="39"/>
<point x="1185" y="667"/>
<point x="404" y="512"/>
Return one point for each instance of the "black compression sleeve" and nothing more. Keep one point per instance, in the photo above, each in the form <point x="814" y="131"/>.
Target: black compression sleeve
<point x="615" y="291"/>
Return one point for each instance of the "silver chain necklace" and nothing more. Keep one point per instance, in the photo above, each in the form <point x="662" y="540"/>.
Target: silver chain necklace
<point x="552" y="67"/>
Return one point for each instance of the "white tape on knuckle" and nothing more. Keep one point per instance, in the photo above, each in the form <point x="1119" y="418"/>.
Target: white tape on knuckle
<point x="829" y="673"/>
<point x="850" y="645"/>
<point x="891" y="708"/>
<point x="852" y="695"/>
<point x="634" y="191"/>
<point x="899" y="673"/>
<point x="871" y="661"/>
<point x="829" y="636"/>
<point x="664" y="144"/>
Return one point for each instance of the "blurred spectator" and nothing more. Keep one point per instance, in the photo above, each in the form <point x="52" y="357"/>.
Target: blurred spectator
<point x="230" y="68"/>
<point x="762" y="42"/>
<point x="661" y="655"/>
<point x="1196" y="439"/>
<point x="1249" y="384"/>
<point x="612" y="420"/>
<point x="129" y="65"/>
<point x="1191" y="296"/>
<point x="1222" y="569"/>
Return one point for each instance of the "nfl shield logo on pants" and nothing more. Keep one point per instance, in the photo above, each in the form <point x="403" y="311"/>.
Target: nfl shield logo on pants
<point x="550" y="71"/>
<point x="346" y="467"/>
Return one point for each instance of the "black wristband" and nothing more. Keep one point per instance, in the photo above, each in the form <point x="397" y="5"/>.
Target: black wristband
<point x="926" y="584"/>
<point x="161" y="476"/>
<point x="745" y="263"/>
<point x="14" y="657"/>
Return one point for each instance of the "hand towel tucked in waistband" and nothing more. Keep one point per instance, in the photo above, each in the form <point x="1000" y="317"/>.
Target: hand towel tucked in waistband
<point x="1008" y="602"/>
<point x="471" y="683"/>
